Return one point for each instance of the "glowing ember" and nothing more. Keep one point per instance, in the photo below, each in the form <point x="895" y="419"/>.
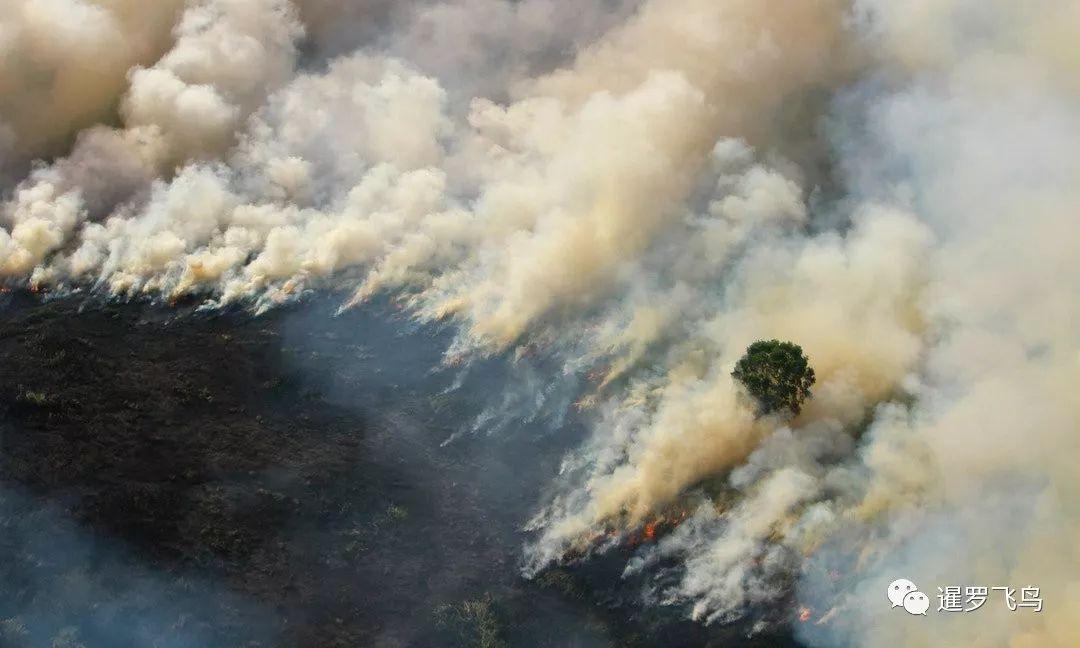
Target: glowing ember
<point x="650" y="531"/>
<point x="804" y="614"/>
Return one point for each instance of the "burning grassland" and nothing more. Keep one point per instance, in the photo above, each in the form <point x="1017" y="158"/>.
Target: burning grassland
<point x="214" y="487"/>
<point x="588" y="211"/>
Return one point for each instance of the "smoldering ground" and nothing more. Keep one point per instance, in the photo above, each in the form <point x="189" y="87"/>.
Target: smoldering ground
<point x="229" y="480"/>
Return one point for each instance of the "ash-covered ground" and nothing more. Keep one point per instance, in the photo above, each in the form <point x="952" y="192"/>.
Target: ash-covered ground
<point x="171" y="477"/>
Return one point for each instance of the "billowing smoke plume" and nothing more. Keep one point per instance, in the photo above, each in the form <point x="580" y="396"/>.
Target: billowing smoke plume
<point x="64" y="64"/>
<point x="971" y="482"/>
<point x="639" y="190"/>
<point x="227" y="56"/>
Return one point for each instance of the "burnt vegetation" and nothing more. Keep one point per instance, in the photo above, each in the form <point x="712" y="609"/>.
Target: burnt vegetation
<point x="189" y="479"/>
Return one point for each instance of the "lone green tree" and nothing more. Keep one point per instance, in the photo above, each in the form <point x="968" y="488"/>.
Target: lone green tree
<point x="777" y="374"/>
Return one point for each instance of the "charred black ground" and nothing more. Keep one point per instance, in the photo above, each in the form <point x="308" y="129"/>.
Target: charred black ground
<point x="176" y="478"/>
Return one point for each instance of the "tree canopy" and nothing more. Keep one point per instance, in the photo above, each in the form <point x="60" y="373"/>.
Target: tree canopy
<point x="777" y="374"/>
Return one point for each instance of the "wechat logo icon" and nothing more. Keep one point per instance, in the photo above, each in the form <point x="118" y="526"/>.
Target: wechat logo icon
<point x="904" y="593"/>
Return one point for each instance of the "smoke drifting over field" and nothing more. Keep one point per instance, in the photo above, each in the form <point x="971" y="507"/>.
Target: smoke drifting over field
<point x="637" y="190"/>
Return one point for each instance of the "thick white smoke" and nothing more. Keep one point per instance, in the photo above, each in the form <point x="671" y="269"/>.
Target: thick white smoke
<point x="971" y="483"/>
<point x="227" y="55"/>
<point x="63" y="64"/>
<point x="636" y="196"/>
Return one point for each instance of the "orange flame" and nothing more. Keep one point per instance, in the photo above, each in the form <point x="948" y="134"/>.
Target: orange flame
<point x="650" y="531"/>
<point x="804" y="614"/>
